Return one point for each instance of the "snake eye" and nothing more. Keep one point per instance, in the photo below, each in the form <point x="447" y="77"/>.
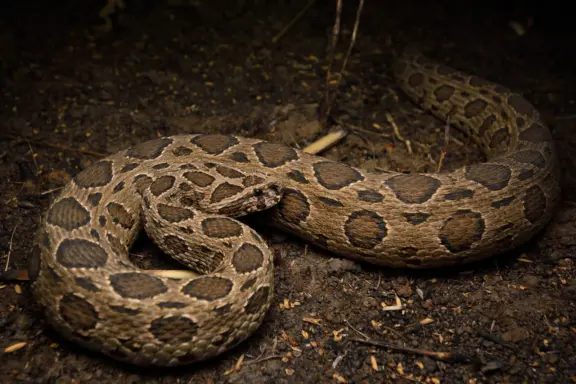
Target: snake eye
<point x="258" y="192"/>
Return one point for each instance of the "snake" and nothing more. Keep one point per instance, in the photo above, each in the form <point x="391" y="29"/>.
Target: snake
<point x="189" y="193"/>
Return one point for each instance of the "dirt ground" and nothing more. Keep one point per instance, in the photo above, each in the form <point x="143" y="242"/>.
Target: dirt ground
<point x="72" y="93"/>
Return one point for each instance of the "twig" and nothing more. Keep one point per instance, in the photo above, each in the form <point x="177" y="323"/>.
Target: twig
<point x="453" y="357"/>
<point x="10" y="248"/>
<point x="329" y="99"/>
<point x="335" y="34"/>
<point x="50" y="191"/>
<point x="71" y="149"/>
<point x="355" y="330"/>
<point x="261" y="359"/>
<point x="325" y="142"/>
<point x="358" y="130"/>
<point x="397" y="133"/>
<point x="352" y="38"/>
<point x="32" y="154"/>
<point x="292" y="22"/>
<point x="56" y="146"/>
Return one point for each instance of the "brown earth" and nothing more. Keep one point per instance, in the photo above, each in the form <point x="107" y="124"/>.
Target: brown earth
<point x="71" y="94"/>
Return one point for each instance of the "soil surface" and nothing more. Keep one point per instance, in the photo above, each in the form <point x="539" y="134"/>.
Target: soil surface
<point x="72" y="93"/>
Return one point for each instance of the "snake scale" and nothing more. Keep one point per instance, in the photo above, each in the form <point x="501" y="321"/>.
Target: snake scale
<point x="186" y="191"/>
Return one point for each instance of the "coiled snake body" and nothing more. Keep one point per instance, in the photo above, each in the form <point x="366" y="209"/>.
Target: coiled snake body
<point x="189" y="188"/>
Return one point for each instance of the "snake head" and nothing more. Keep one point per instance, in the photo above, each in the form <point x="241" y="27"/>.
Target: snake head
<point x="261" y="195"/>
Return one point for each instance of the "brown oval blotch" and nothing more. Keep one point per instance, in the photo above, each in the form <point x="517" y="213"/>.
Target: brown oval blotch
<point x="215" y="144"/>
<point x="228" y="172"/>
<point x="475" y="107"/>
<point x="120" y="215"/>
<point x="297" y="176"/>
<point x="181" y="151"/>
<point x="174" y="214"/>
<point x="149" y="149"/>
<point x="86" y="284"/>
<point x="208" y="288"/>
<point x="500" y="139"/>
<point x="224" y="191"/>
<point x="536" y="133"/>
<point x="293" y="207"/>
<point x="247" y="258"/>
<point x="274" y="155"/>
<point x="69" y="214"/>
<point x="77" y="312"/>
<point x="492" y="176"/>
<point x="330" y="202"/>
<point x="239" y="157"/>
<point x="521" y="105"/>
<point x="334" y="176"/>
<point x="525" y="174"/>
<point x="160" y="166"/>
<point x="444" y="92"/>
<point x="172" y="305"/>
<point x="248" y="284"/>
<point x="129" y="167"/>
<point x="220" y="227"/>
<point x="162" y="184"/>
<point x="94" y="198"/>
<point x="461" y="231"/>
<point x="80" y="253"/>
<point x="258" y="301"/>
<point x="530" y="156"/>
<point x="534" y="201"/>
<point x="413" y="189"/>
<point x="416" y="79"/>
<point x="459" y="194"/>
<point x="174" y="329"/>
<point x="486" y="125"/>
<point x="200" y="179"/>
<point x="417" y="217"/>
<point x="142" y="182"/>
<point x="135" y="285"/>
<point x="503" y="202"/>
<point x="97" y="175"/>
<point x="365" y="229"/>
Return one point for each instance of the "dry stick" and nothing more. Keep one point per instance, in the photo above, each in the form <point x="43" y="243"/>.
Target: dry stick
<point x="355" y="330"/>
<point x="19" y="275"/>
<point x="292" y="22"/>
<point x="353" y="37"/>
<point x="57" y="146"/>
<point x="325" y="142"/>
<point x="454" y="357"/>
<point x="72" y="149"/>
<point x="397" y="133"/>
<point x="32" y="155"/>
<point x="335" y="34"/>
<point x="330" y="100"/>
<point x="10" y="248"/>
